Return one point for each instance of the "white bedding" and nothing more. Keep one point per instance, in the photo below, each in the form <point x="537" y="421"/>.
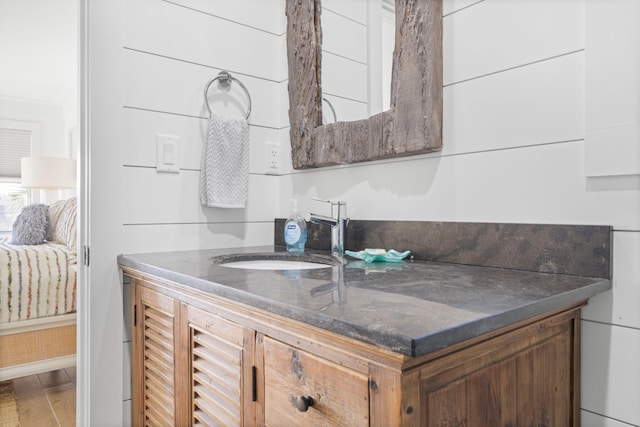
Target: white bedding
<point x="36" y="281"/>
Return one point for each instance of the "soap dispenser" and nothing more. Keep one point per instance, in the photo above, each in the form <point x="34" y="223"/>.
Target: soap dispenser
<point x="295" y="230"/>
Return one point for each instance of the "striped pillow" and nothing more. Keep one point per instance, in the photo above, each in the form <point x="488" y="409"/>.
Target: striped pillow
<point x="64" y="222"/>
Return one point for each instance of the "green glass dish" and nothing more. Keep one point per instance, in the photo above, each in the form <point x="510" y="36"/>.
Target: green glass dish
<point x="379" y="255"/>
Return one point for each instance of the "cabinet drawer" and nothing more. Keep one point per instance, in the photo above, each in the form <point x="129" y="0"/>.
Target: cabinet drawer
<point x="339" y="396"/>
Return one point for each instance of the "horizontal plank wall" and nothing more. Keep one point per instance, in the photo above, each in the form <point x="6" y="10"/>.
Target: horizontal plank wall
<point x="165" y="73"/>
<point x="516" y="127"/>
<point x="516" y="98"/>
<point x="149" y="61"/>
<point x="611" y="367"/>
<point x="344" y="59"/>
<point x="172" y="49"/>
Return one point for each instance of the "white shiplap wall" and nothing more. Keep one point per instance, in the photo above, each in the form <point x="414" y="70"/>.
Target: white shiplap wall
<point x="149" y="61"/>
<point x="516" y="90"/>
<point x="517" y="110"/>
<point x="344" y="59"/>
<point x="165" y="72"/>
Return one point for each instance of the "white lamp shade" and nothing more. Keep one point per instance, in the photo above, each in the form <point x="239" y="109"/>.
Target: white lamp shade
<point x="48" y="172"/>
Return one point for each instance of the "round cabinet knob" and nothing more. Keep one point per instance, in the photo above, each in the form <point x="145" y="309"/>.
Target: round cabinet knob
<point x="303" y="403"/>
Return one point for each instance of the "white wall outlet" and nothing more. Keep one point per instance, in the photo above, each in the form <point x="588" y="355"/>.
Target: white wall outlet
<point x="273" y="157"/>
<point x="167" y="153"/>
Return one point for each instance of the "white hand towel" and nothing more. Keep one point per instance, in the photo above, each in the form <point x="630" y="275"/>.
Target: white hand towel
<point x="224" y="176"/>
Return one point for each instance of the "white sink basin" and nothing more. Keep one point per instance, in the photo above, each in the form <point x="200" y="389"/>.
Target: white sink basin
<point x="275" y="264"/>
<point x="276" y="261"/>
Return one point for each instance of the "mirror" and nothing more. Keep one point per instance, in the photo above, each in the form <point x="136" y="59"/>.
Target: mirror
<point x="413" y="123"/>
<point x="356" y="69"/>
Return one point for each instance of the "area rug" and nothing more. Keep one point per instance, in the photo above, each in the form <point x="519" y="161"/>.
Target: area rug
<point x="8" y="405"/>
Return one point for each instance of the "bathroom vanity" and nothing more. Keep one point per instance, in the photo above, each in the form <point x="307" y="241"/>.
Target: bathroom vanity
<point x="417" y="343"/>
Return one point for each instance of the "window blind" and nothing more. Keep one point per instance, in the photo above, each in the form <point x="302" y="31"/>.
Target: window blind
<point x="14" y="144"/>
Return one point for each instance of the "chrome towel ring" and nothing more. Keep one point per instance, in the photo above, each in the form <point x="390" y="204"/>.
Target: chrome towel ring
<point x="225" y="81"/>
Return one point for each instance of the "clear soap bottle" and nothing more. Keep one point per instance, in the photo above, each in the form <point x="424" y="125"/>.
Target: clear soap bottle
<point x="295" y="230"/>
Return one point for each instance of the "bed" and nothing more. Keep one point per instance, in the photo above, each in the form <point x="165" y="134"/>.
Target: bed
<point x="38" y="298"/>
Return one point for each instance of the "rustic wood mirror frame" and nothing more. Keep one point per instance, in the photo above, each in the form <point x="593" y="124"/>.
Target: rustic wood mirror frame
<point x="412" y="125"/>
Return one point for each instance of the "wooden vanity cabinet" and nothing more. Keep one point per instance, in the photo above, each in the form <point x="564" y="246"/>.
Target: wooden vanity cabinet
<point x="189" y="367"/>
<point x="198" y="359"/>
<point x="337" y="396"/>
<point x="153" y="383"/>
<point x="527" y="377"/>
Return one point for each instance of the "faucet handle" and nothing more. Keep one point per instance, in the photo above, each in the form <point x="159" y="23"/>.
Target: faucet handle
<point x="317" y="199"/>
<point x="338" y="224"/>
<point x="339" y="204"/>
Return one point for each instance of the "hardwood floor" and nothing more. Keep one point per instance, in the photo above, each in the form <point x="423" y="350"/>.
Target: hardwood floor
<point x="47" y="399"/>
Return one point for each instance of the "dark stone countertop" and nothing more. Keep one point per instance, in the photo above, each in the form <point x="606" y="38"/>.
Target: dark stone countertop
<point x="413" y="307"/>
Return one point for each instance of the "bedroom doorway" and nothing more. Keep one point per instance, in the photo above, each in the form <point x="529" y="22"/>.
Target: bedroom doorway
<point x="40" y="112"/>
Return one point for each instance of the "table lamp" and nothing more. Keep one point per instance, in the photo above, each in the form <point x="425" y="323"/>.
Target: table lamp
<point x="47" y="173"/>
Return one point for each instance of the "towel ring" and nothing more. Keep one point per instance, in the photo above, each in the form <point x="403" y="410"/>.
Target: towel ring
<point x="225" y="81"/>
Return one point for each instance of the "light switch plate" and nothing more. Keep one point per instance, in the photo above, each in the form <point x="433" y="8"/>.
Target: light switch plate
<point x="167" y="153"/>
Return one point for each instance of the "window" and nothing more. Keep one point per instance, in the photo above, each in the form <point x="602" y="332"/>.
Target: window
<point x="17" y="139"/>
<point x="12" y="199"/>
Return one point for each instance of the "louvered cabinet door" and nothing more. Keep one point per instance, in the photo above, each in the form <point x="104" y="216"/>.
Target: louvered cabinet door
<point x="153" y="370"/>
<point x="222" y="373"/>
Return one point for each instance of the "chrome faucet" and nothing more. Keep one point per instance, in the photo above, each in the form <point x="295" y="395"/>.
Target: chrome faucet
<point x="338" y="223"/>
